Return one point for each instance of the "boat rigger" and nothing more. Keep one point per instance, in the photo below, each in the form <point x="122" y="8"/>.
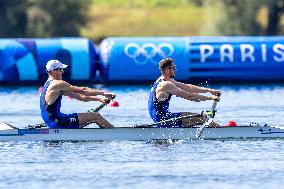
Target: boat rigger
<point x="11" y="133"/>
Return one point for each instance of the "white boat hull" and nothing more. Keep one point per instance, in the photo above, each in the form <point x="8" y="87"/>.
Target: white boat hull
<point x="137" y="134"/>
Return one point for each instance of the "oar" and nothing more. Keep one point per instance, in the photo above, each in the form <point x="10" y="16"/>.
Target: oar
<point x="102" y="105"/>
<point x="168" y="121"/>
<point x="210" y="115"/>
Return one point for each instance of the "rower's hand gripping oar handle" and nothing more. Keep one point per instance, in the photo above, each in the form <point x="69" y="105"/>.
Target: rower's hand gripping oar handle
<point x="213" y="108"/>
<point x="211" y="113"/>
<point x="102" y="105"/>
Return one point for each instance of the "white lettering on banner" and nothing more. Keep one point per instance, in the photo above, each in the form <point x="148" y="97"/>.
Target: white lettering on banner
<point x="263" y="52"/>
<point x="205" y="52"/>
<point x="227" y="51"/>
<point x="277" y="49"/>
<point x="247" y="51"/>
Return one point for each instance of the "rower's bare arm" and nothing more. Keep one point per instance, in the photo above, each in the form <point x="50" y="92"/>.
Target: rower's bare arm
<point x="66" y="88"/>
<point x="174" y="90"/>
<point x="93" y="92"/>
<point x="84" y="98"/>
<point x="195" y="89"/>
<point x="86" y="91"/>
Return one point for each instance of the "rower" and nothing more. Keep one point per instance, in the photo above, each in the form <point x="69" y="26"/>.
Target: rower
<point x="51" y="95"/>
<point x="165" y="86"/>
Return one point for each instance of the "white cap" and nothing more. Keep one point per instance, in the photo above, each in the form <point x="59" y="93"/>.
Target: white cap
<point x="54" y="64"/>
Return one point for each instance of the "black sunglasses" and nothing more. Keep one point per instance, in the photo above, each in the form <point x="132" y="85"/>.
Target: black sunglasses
<point x="59" y="69"/>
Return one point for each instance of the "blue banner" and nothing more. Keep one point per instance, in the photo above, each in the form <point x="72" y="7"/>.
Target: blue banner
<point x="222" y="59"/>
<point x="236" y="58"/>
<point x="137" y="59"/>
<point x="24" y="60"/>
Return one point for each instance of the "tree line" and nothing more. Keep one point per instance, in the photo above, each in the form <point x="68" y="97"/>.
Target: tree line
<point x="42" y="18"/>
<point x="240" y="17"/>
<point x="58" y="18"/>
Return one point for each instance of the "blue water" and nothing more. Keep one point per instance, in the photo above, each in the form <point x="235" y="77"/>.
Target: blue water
<point x="137" y="164"/>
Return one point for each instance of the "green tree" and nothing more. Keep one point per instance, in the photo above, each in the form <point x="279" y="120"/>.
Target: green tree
<point x="39" y="22"/>
<point x="57" y="18"/>
<point x="239" y="17"/>
<point x="13" y="19"/>
<point x="236" y="17"/>
<point x="42" y="18"/>
<point x="275" y="11"/>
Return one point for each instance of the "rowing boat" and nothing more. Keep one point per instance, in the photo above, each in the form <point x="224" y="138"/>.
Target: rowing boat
<point x="11" y="133"/>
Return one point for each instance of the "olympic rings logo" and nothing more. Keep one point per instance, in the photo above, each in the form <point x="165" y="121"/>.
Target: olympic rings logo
<point x="148" y="52"/>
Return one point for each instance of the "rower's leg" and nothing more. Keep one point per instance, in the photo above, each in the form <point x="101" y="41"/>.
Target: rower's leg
<point x="190" y="122"/>
<point x="214" y="124"/>
<point x="93" y="117"/>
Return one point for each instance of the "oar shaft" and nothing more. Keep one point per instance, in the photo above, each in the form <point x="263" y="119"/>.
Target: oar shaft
<point x="102" y="105"/>
<point x="168" y="121"/>
<point x="209" y="119"/>
<point x="213" y="108"/>
<point x="214" y="105"/>
<point x="211" y="113"/>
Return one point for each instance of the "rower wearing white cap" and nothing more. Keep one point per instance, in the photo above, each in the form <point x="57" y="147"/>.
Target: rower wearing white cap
<point x="51" y="95"/>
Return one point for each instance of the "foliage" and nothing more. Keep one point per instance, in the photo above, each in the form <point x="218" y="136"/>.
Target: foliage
<point x="123" y="20"/>
<point x="236" y="17"/>
<point x="144" y="3"/>
<point x="57" y="18"/>
<point x="276" y="9"/>
<point x="11" y="25"/>
<point x="242" y="17"/>
<point x="97" y="19"/>
<point x="42" y="18"/>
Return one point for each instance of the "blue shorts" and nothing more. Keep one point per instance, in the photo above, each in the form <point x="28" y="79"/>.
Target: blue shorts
<point x="167" y="116"/>
<point x="65" y="121"/>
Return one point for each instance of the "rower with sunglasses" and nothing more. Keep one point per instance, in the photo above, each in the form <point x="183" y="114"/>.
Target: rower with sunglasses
<point x="51" y="95"/>
<point x="165" y="86"/>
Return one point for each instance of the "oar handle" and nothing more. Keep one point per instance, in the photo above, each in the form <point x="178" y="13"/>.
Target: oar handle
<point x="211" y="113"/>
<point x="214" y="105"/>
<point x="102" y="105"/>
